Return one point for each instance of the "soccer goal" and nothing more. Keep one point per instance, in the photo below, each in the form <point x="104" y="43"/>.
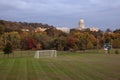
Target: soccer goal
<point x="45" y="53"/>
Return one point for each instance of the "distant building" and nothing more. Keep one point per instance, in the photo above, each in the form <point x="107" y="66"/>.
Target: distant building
<point x="39" y="29"/>
<point x="66" y="30"/>
<point x="81" y="25"/>
<point x="25" y="30"/>
<point x="94" y="29"/>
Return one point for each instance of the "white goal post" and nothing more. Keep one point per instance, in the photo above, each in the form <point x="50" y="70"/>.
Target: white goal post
<point x="45" y="53"/>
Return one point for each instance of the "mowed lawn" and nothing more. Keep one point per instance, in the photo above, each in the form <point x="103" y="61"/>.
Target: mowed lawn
<point x="67" y="66"/>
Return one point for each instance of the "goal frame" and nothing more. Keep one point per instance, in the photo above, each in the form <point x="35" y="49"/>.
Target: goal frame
<point x="45" y="53"/>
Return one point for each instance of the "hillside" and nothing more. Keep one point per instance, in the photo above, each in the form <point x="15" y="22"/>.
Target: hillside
<point x="8" y="26"/>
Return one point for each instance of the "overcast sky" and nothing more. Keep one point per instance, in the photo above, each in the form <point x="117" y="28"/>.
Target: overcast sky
<point x="63" y="13"/>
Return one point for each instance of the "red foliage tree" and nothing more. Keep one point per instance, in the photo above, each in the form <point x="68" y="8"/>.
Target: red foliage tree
<point x="70" y="41"/>
<point x="31" y="43"/>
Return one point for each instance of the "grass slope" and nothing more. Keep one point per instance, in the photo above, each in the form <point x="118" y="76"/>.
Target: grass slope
<point x="66" y="66"/>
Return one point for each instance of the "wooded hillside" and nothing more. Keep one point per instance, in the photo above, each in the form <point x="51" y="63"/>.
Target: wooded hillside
<point x="51" y="38"/>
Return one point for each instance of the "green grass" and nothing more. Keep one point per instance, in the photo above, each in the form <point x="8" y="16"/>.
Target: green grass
<point x="89" y="65"/>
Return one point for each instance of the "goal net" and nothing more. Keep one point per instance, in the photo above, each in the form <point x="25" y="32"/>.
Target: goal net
<point x="45" y="53"/>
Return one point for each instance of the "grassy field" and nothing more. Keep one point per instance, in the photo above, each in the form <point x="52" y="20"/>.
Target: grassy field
<point x="89" y="65"/>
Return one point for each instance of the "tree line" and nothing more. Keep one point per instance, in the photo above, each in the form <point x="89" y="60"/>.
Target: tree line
<point x="51" y="38"/>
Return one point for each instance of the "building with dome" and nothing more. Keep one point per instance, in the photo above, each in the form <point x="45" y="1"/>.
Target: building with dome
<point x="81" y="24"/>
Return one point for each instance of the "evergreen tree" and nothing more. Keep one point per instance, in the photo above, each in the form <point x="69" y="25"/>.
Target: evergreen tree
<point x="8" y="48"/>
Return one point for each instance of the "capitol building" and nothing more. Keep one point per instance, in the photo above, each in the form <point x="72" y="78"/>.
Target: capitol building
<point x="81" y="26"/>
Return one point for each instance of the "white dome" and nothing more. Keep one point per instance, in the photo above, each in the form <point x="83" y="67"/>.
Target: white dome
<point x="81" y="20"/>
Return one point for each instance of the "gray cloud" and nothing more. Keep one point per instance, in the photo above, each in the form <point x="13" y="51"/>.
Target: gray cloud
<point x="101" y="13"/>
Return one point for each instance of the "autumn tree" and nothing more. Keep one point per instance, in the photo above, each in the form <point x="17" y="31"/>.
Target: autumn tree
<point x="116" y="43"/>
<point x="51" y="32"/>
<point x="24" y="40"/>
<point x="59" y="43"/>
<point x="2" y="29"/>
<point x="1" y="43"/>
<point x="31" y="43"/>
<point x="70" y="42"/>
<point x="90" y="45"/>
<point x="13" y="38"/>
